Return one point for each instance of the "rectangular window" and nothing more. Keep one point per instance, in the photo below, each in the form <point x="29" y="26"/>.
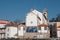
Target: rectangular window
<point x="45" y="28"/>
<point x="31" y="29"/>
<point x="39" y="28"/>
<point x="8" y="29"/>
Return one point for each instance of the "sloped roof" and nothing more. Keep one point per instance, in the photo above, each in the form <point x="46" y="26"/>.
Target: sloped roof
<point x="46" y="25"/>
<point x="22" y="23"/>
<point x="11" y="24"/>
<point x="4" y="22"/>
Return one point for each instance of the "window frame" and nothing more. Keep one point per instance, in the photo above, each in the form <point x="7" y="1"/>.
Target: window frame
<point x="31" y="29"/>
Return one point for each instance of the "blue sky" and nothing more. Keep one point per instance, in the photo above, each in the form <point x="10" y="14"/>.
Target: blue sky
<point x="17" y="9"/>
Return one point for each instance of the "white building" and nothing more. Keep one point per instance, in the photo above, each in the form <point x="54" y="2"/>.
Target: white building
<point x="34" y="17"/>
<point x="37" y="22"/>
<point x="3" y="27"/>
<point x="11" y="30"/>
<point x="21" y="29"/>
<point x="7" y="29"/>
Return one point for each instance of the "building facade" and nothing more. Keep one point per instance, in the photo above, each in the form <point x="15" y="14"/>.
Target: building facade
<point x="58" y="29"/>
<point x="21" y="29"/>
<point x="3" y="28"/>
<point x="11" y="30"/>
<point x="36" y="23"/>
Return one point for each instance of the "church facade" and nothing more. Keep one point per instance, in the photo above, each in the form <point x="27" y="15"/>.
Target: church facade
<point x="37" y="23"/>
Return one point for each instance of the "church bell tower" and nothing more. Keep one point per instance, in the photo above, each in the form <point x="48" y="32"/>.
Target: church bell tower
<point x="45" y="13"/>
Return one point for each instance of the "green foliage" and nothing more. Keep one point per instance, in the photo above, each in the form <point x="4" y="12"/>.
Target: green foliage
<point x="57" y="19"/>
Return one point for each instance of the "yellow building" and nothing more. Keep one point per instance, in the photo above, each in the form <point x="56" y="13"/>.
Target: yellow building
<point x="58" y="29"/>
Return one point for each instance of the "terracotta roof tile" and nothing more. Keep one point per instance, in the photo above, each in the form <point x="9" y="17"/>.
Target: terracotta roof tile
<point x="4" y="21"/>
<point x="43" y="25"/>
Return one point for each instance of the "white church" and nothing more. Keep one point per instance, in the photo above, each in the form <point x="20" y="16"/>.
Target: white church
<point x="37" y="23"/>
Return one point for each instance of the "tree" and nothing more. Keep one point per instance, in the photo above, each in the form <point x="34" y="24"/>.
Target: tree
<point x="58" y="18"/>
<point x="52" y="20"/>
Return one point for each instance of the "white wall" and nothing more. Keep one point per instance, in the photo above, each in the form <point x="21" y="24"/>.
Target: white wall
<point x="11" y="31"/>
<point x="31" y="19"/>
<point x="2" y="31"/>
<point x="43" y="30"/>
<point x="39" y="14"/>
<point x="32" y="16"/>
<point x="43" y="20"/>
<point x="2" y="25"/>
<point x="21" y="32"/>
<point x="58" y="32"/>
